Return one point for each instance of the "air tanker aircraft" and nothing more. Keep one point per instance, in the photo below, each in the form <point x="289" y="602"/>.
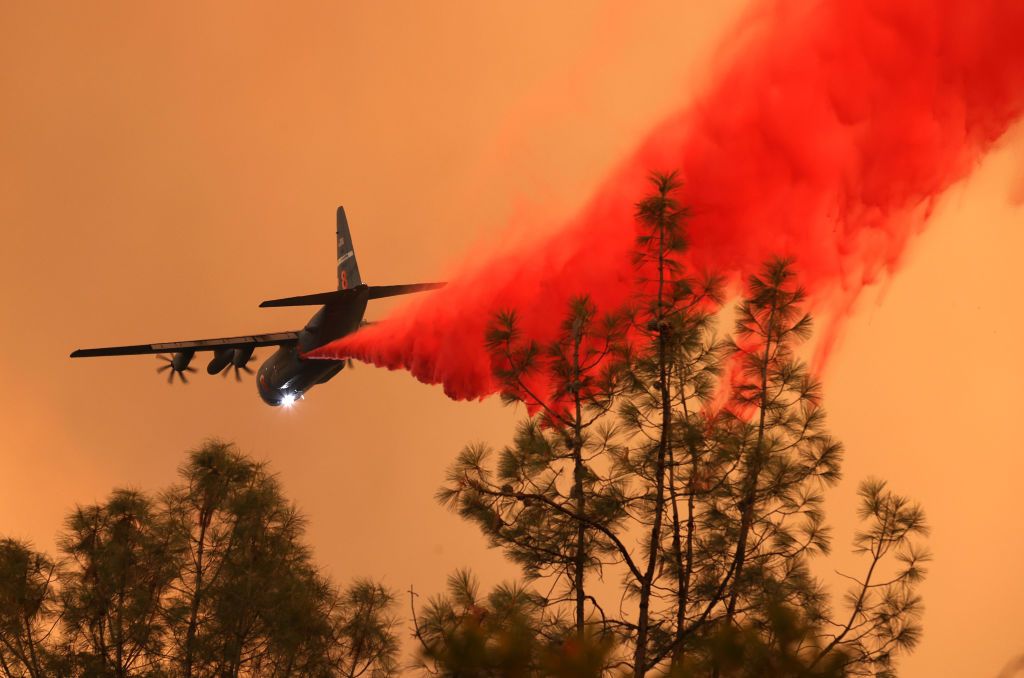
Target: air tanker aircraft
<point x="285" y="376"/>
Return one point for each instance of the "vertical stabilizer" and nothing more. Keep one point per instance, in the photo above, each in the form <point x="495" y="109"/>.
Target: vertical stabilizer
<point x="348" y="269"/>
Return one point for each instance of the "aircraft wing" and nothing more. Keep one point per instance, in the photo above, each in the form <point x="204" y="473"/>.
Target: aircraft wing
<point x="254" y="341"/>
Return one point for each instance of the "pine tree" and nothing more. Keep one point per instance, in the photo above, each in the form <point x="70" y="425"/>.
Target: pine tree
<point x="672" y="369"/>
<point x="250" y="600"/>
<point x="697" y="472"/>
<point x="542" y="504"/>
<point x="364" y="640"/>
<point x="507" y="633"/>
<point x="123" y="563"/>
<point x="28" y="610"/>
<point x="210" y="578"/>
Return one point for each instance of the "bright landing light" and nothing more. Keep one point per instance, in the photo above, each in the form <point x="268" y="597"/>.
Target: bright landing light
<point x="288" y="399"/>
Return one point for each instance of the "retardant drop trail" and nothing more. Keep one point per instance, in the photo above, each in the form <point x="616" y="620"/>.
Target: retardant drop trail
<point x="827" y="138"/>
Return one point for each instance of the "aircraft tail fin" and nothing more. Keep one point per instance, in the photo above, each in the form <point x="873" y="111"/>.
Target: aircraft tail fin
<point x="350" y="284"/>
<point x="348" y="269"/>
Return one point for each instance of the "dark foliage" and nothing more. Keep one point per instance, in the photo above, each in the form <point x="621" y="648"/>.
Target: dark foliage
<point x="209" y="579"/>
<point x="687" y="468"/>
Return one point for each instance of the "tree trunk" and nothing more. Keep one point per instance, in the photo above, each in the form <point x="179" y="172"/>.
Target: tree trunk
<point x="34" y="666"/>
<point x="753" y="474"/>
<point x="578" y="470"/>
<point x="205" y="516"/>
<point x="677" y="553"/>
<point x="643" y="620"/>
<point x="686" y="566"/>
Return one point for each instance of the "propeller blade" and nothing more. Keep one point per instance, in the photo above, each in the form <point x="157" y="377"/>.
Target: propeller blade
<point x="184" y="380"/>
<point x="170" y="377"/>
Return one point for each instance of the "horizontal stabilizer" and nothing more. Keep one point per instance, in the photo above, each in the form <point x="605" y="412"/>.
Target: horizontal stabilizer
<point x="319" y="299"/>
<point x="339" y="296"/>
<point x="381" y="291"/>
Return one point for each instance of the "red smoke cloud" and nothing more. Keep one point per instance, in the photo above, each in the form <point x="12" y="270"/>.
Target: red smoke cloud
<point x="828" y="137"/>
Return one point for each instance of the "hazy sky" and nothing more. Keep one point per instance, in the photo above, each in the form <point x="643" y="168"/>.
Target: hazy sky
<point x="164" y="168"/>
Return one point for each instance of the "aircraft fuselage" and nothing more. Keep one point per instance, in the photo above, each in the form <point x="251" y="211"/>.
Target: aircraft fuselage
<point x="286" y="375"/>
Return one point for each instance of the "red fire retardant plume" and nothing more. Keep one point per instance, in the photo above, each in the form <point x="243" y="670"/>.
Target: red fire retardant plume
<point x="828" y="136"/>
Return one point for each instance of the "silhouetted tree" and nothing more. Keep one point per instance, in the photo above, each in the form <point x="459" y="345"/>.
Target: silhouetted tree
<point x="672" y="370"/>
<point x="545" y="494"/>
<point x="883" y="605"/>
<point x="363" y="625"/>
<point x="507" y="633"/>
<point x="199" y="513"/>
<point x="28" y="610"/>
<point x="212" y="578"/>
<point x="782" y="644"/>
<point x="697" y="470"/>
<point x="122" y="561"/>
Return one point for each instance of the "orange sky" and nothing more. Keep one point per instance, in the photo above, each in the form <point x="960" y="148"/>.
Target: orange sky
<point x="162" y="171"/>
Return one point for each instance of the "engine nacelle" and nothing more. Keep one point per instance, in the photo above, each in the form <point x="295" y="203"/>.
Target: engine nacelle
<point x="221" y="358"/>
<point x="181" y="359"/>
<point x="240" y="356"/>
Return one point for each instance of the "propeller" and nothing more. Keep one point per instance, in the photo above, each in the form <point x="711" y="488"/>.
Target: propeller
<point x="349" y="364"/>
<point x="244" y="367"/>
<point x="171" y="370"/>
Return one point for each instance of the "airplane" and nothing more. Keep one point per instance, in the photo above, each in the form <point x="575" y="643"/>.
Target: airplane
<point x="286" y="376"/>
